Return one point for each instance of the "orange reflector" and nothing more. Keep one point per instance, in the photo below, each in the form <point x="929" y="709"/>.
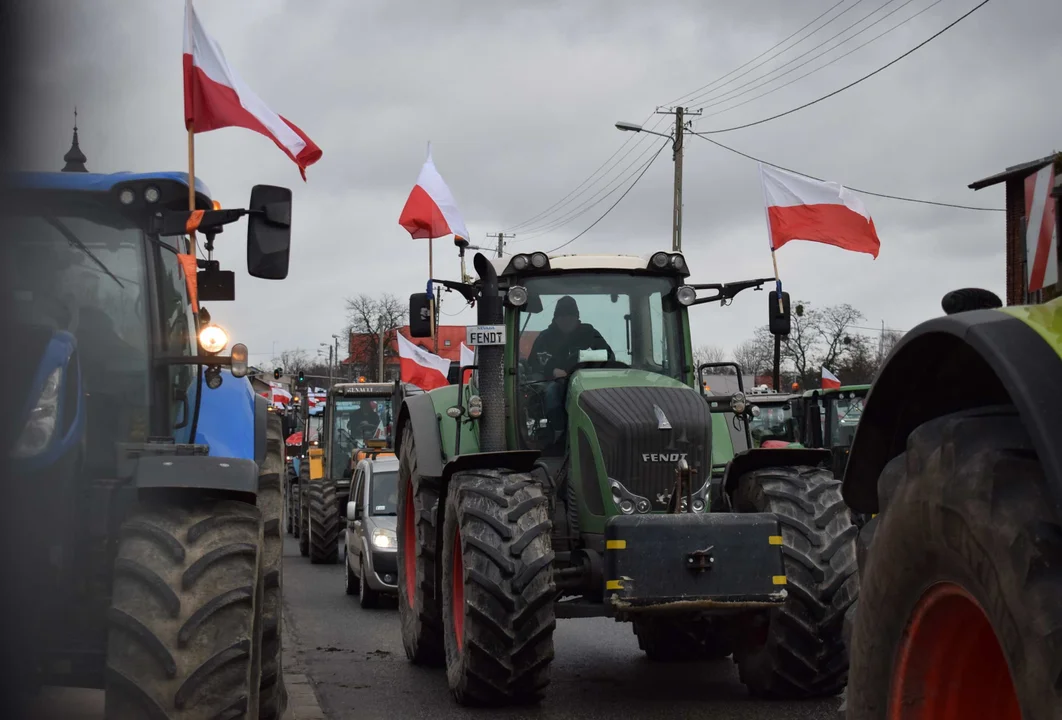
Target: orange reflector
<point x="217" y="205"/>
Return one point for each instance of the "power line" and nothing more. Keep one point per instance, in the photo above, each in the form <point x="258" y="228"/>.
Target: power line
<point x="682" y="98"/>
<point x="853" y="189"/>
<point x="618" y="200"/>
<point x="589" y="204"/>
<point x="776" y="55"/>
<point x="856" y="82"/>
<point x="715" y="102"/>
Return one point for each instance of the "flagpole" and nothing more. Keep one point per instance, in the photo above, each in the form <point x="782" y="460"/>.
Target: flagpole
<point x="191" y="178"/>
<point x="431" y="300"/>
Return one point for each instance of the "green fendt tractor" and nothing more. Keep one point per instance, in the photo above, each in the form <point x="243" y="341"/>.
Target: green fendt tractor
<point x="572" y="478"/>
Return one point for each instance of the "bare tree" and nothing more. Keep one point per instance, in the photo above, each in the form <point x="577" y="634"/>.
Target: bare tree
<point x="801" y="348"/>
<point x="291" y="361"/>
<point x="834" y="328"/>
<point x="709" y="354"/>
<point x="368" y="319"/>
<point x="756" y="355"/>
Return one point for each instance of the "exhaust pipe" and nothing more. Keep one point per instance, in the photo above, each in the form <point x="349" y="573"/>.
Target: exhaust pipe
<point x="491" y="360"/>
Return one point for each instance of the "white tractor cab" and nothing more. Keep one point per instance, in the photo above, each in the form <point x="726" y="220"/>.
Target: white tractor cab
<point x="371" y="543"/>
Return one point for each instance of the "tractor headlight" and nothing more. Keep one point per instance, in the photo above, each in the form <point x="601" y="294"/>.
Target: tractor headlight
<point x="539" y="260"/>
<point x="384" y="539"/>
<point x="475" y="406"/>
<point x="627" y="502"/>
<point x="686" y="295"/>
<point x="43" y="418"/>
<point x="213" y="339"/>
<point x="678" y="262"/>
<point x="151" y="194"/>
<point x="520" y="262"/>
<point x="517" y="295"/>
<point x="659" y="260"/>
<point x="126" y="197"/>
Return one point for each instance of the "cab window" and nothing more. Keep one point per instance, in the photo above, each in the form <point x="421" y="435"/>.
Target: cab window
<point x="178" y="326"/>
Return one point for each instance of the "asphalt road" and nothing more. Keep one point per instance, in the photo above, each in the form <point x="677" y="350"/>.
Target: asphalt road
<point x="354" y="660"/>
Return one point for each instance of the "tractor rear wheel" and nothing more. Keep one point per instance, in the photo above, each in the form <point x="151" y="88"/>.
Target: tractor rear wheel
<point x="271" y="502"/>
<point x="289" y="502"/>
<point x="418" y="607"/>
<point x="958" y="613"/>
<point x="497" y="588"/>
<point x="185" y="625"/>
<point x="304" y="508"/>
<point x="682" y="639"/>
<point x="800" y="652"/>
<point x="324" y="522"/>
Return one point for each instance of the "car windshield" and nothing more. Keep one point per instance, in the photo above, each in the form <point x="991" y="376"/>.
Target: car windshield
<point x="75" y="267"/>
<point x="383" y="495"/>
<point x="627" y="318"/>
<point x="354" y="421"/>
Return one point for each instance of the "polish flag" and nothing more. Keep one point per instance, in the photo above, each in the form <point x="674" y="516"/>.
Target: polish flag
<point x="215" y="97"/>
<point x="468" y="358"/>
<point x="829" y="380"/>
<point x="420" y="367"/>
<point x="1041" y="238"/>
<point x="431" y="210"/>
<point x="799" y="208"/>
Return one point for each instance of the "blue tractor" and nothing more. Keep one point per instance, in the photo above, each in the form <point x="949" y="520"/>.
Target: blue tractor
<point x="149" y="469"/>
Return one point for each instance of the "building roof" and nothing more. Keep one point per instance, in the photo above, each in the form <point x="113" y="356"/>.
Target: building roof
<point x="1013" y="172"/>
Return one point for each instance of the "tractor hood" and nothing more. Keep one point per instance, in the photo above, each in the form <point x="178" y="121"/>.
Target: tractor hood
<point x="634" y="426"/>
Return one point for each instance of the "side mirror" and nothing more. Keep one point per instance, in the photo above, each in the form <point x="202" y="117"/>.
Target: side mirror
<point x="419" y="315"/>
<point x="269" y="232"/>
<point x="352" y="511"/>
<point x="778" y="321"/>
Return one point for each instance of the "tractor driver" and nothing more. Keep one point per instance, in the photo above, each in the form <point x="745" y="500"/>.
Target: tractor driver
<point x="556" y="351"/>
<point x="362" y="419"/>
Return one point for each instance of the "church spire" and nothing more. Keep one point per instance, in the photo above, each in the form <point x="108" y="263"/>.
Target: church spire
<point x="75" y="159"/>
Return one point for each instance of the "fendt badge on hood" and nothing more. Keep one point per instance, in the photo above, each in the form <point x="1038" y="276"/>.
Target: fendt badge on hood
<point x="663" y="457"/>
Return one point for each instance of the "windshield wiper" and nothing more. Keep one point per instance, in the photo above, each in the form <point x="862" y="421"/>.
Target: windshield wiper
<point x="76" y="242"/>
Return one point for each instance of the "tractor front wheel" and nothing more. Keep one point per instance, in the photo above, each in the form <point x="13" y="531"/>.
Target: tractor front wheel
<point x="304" y="508"/>
<point x="958" y="614"/>
<point x="418" y="607"/>
<point x="185" y="624"/>
<point x="324" y="522"/>
<point x="271" y="502"/>
<point x="497" y="588"/>
<point x="800" y="652"/>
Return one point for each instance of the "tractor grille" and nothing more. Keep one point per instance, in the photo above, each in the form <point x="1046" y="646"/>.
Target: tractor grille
<point x="626" y="423"/>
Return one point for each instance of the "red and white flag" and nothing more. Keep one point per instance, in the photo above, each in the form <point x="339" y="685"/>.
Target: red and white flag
<point x="829" y="380"/>
<point x="799" y="208"/>
<point x="420" y="367"/>
<point x="468" y="358"/>
<point x="215" y="97"/>
<point x="431" y="210"/>
<point x="1041" y="234"/>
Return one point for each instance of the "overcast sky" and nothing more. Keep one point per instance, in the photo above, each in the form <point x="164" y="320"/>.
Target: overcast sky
<point x="519" y="101"/>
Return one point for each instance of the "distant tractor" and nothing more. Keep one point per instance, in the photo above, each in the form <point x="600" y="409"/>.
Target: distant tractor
<point x="147" y="464"/>
<point x="828" y="419"/>
<point x="573" y="478"/>
<point x="356" y="416"/>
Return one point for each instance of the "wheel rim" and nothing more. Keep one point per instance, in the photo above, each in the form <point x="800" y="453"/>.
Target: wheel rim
<point x="457" y="601"/>
<point x="950" y="664"/>
<point x="409" y="552"/>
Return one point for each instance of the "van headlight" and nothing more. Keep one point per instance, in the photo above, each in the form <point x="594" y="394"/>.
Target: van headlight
<point x="40" y="427"/>
<point x="383" y="539"/>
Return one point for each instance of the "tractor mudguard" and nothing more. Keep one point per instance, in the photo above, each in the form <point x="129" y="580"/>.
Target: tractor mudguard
<point x="420" y="410"/>
<point x="227" y="421"/>
<point x="758" y="458"/>
<point x="515" y="461"/>
<point x="954" y="363"/>
<point x="196" y="472"/>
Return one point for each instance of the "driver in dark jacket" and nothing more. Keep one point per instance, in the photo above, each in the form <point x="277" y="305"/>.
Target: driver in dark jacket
<point x="556" y="351"/>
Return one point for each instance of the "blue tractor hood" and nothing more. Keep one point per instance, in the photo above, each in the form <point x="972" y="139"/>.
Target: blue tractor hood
<point x="227" y="418"/>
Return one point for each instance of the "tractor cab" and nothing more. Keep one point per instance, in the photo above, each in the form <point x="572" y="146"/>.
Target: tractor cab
<point x="828" y="419"/>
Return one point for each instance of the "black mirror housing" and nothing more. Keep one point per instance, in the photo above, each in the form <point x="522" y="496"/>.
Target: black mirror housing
<point x="779" y="321"/>
<point x="269" y="232"/>
<point x="419" y="315"/>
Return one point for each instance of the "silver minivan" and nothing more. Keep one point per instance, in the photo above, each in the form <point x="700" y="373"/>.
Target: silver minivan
<point x="371" y="543"/>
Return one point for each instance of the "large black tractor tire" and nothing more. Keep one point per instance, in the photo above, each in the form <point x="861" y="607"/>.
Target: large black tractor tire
<point x="290" y="524"/>
<point x="418" y="606"/>
<point x="679" y="639"/>
<point x="274" y="696"/>
<point x="497" y="588"/>
<point x="184" y="624"/>
<point x="958" y="613"/>
<point x="801" y="653"/>
<point x="304" y="508"/>
<point x="324" y="522"/>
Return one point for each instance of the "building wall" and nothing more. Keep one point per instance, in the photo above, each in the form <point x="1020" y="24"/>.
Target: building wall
<point x="1015" y="253"/>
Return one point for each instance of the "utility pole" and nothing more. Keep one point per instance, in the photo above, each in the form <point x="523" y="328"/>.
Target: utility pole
<point x="331" y="380"/>
<point x="382" y="333"/>
<point x="677" y="146"/>
<point x="336" y="338"/>
<point x="501" y="241"/>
